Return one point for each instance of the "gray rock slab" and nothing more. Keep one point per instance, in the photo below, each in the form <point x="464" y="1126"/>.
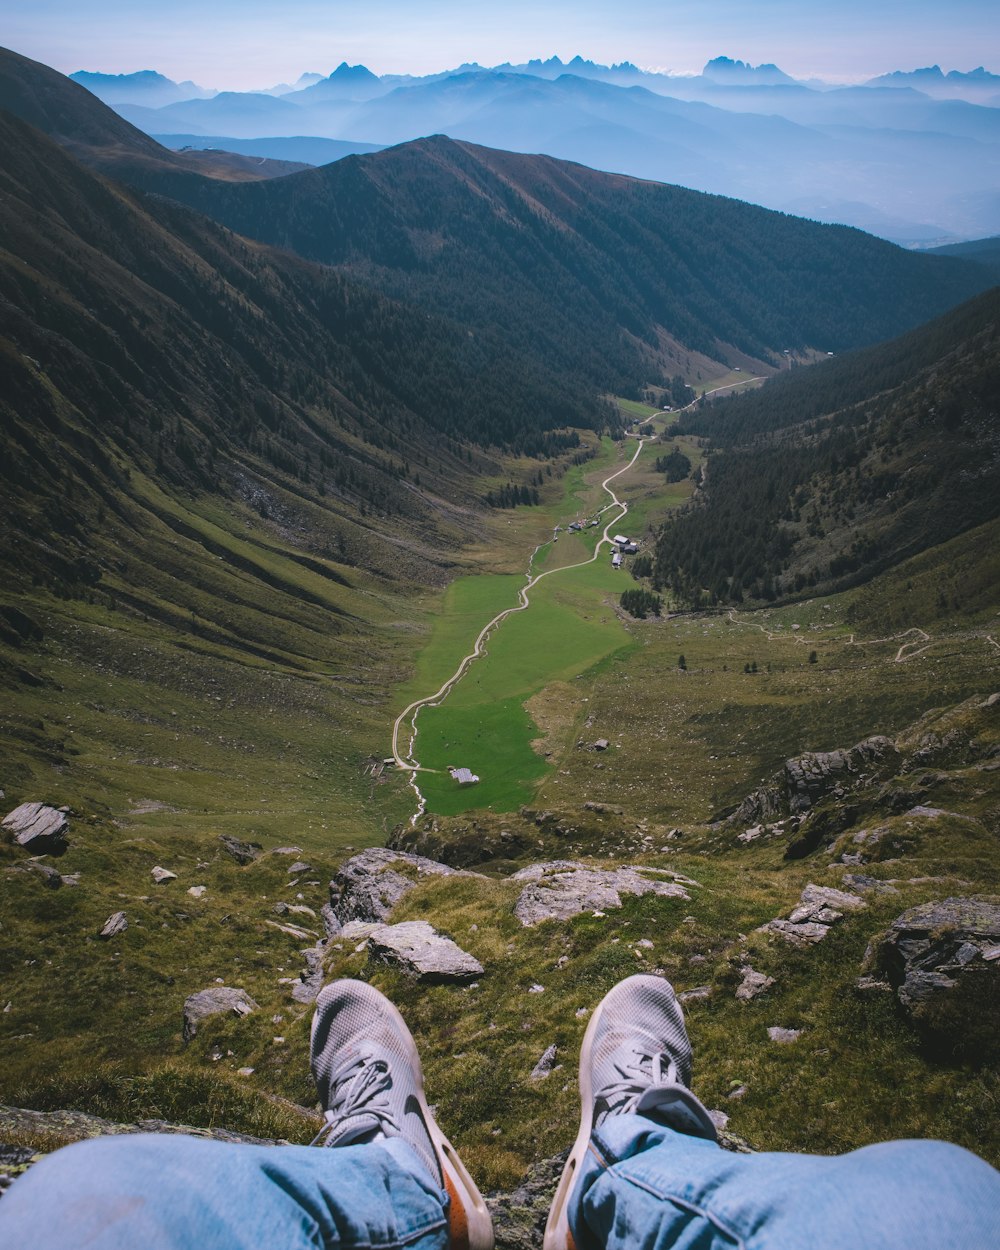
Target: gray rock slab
<point x="753" y="983"/>
<point x="162" y="875"/>
<point x="115" y="924"/>
<point x="417" y="947"/>
<point x="807" y="933"/>
<point x="213" y="1001"/>
<point x="38" y="828"/>
<point x="545" y="1064"/>
<point x="371" y="883"/>
<point x="783" y="1036"/>
<point x="561" y="889"/>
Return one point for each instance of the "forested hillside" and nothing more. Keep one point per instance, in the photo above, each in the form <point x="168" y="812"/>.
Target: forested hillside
<point x="827" y="475"/>
<point x="603" y="282"/>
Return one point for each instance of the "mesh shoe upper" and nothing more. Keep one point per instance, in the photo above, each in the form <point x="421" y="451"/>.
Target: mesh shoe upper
<point x="367" y="1072"/>
<point x="640" y="1058"/>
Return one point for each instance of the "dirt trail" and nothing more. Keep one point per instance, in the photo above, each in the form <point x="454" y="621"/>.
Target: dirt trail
<point x="409" y="714"/>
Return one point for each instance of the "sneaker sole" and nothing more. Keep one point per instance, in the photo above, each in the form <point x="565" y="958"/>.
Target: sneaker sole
<point x="557" y="1230"/>
<point x="471" y="1226"/>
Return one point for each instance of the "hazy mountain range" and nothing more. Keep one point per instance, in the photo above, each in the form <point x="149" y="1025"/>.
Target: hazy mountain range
<point x="912" y="156"/>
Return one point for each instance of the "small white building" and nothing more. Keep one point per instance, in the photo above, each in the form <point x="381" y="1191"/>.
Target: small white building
<point x="616" y="561"/>
<point x="619" y="538"/>
<point x="464" y="776"/>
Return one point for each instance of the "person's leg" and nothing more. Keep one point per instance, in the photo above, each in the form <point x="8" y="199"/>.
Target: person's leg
<point x="646" y="1173"/>
<point x="167" y="1192"/>
<point x="392" y="1179"/>
<point x="643" y="1186"/>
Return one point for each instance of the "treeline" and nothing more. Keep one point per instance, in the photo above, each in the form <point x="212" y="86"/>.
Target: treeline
<point x="641" y="603"/>
<point x="511" y="496"/>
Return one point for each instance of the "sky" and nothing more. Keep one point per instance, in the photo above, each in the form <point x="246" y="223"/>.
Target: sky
<point x="243" y="44"/>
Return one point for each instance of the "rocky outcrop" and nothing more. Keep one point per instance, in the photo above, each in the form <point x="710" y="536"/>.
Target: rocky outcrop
<point x="370" y="884"/>
<point x="242" y="852"/>
<point x="943" y="961"/>
<point x="416" y="947"/>
<point x="563" y="888"/>
<point x="162" y="875"/>
<point x="819" y="907"/>
<point x="806" y="779"/>
<point x="38" y="828"/>
<point x="211" y="1002"/>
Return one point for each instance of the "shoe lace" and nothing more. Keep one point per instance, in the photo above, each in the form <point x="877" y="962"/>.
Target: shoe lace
<point x="621" y="1097"/>
<point x="357" y="1090"/>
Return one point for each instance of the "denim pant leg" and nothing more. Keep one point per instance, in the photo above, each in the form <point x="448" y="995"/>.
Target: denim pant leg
<point x="644" y="1187"/>
<point x="172" y="1192"/>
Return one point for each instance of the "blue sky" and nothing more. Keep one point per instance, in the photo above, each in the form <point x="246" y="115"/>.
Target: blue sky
<point x="241" y="44"/>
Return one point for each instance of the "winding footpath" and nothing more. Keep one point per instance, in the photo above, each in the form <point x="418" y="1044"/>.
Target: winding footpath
<point x="407" y="760"/>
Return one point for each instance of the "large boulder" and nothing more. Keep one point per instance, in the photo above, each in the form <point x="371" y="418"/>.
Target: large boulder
<point x="211" y="1002"/>
<point x="416" y="947"/>
<point x="370" y="884"/>
<point x="943" y="961"/>
<point x="562" y="888"/>
<point x="38" y="828"/>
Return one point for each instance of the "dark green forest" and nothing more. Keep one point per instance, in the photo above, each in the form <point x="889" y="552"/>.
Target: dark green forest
<point x="804" y="490"/>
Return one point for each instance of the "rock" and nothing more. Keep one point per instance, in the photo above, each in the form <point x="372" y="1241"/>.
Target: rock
<point x="331" y="925"/>
<point x="311" y="979"/>
<point x="719" y="1119"/>
<point x="115" y="924"/>
<point x="300" y="865"/>
<point x="48" y="875"/>
<point x="196" y="891"/>
<point x="545" y="1065"/>
<point x="806" y="934"/>
<point x="242" y="852"/>
<point x="161" y="875"/>
<point x="739" y="1092"/>
<point x="417" y="947"/>
<point x="601" y="744"/>
<point x="819" y="907"/>
<point x="695" y="995"/>
<point x="38" y="828"/>
<point x="368" y="886"/>
<point x="287" y="850"/>
<point x="783" y="1036"/>
<point x="753" y="983"/>
<point x="939" y="959"/>
<point x="562" y="888"/>
<point x="212" y="1002"/>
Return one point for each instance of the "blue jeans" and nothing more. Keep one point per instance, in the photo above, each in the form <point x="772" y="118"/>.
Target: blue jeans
<point x="642" y="1187"/>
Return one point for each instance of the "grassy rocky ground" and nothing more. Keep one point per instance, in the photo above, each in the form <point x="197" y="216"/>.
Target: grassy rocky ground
<point x="159" y="749"/>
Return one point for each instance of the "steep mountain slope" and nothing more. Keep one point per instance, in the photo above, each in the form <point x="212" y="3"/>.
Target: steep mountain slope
<point x="596" y="273"/>
<point x="142" y="336"/>
<point x="827" y="476"/>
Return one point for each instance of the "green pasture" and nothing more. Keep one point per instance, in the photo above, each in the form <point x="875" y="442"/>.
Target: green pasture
<point x="482" y="724"/>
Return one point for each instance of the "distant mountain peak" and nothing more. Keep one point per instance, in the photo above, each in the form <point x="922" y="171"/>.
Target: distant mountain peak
<point x="352" y="73"/>
<point x="725" y="69"/>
